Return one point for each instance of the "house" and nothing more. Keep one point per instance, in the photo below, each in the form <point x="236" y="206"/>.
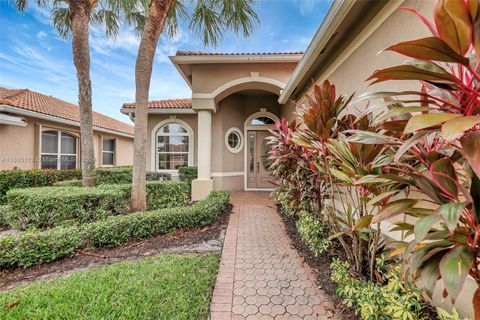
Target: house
<point x="236" y="97"/>
<point x="223" y="127"/>
<point x="42" y="132"/>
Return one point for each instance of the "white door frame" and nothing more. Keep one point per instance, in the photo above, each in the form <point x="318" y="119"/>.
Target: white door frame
<point x="246" y="127"/>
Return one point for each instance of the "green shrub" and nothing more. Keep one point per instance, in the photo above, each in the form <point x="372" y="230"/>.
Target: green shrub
<point x="4" y="211"/>
<point x="68" y="183"/>
<point x="52" y="206"/>
<point x="372" y="301"/>
<point x="11" y="179"/>
<point x="123" y="175"/>
<point x="167" y="194"/>
<point x="30" y="248"/>
<point x="187" y="174"/>
<point x="312" y="232"/>
<point x="116" y="175"/>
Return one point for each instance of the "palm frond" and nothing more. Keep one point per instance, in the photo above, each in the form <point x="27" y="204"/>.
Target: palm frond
<point x="109" y="19"/>
<point x="61" y="21"/>
<point x="207" y="22"/>
<point x="177" y="11"/>
<point x="239" y="16"/>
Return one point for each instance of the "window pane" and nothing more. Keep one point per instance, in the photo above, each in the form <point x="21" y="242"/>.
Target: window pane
<point x="172" y="144"/>
<point x="109" y="145"/>
<point x="49" y="142"/>
<point x="258" y="121"/>
<point x="68" y="162"/>
<point x="251" y="143"/>
<point x="234" y="140"/>
<point x="172" y="161"/>
<point x="172" y="128"/>
<point x="69" y="144"/>
<point x="49" y="162"/>
<point x="107" y="158"/>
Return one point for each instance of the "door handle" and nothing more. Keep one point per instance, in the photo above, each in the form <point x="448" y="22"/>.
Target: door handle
<point x="258" y="167"/>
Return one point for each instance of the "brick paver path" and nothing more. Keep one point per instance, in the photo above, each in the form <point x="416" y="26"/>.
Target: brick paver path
<point x="261" y="276"/>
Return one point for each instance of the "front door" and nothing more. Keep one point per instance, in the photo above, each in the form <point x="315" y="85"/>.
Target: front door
<point x="257" y="160"/>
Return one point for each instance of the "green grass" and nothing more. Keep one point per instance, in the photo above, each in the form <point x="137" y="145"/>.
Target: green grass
<point x="168" y="286"/>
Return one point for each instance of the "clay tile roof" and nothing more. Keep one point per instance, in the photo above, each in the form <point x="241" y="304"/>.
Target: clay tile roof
<point x="51" y="106"/>
<point x="184" y="103"/>
<point x="200" y="53"/>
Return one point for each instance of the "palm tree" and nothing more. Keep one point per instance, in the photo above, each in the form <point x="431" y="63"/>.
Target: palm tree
<point x="210" y="19"/>
<point x="73" y="17"/>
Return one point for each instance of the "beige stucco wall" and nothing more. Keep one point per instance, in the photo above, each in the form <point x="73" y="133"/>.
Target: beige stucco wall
<point x="208" y="77"/>
<point x="19" y="147"/>
<point x="350" y="77"/>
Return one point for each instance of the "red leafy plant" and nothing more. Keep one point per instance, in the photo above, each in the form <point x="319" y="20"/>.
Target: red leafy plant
<point x="438" y="150"/>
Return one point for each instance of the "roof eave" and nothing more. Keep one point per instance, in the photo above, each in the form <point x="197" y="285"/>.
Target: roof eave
<point x="33" y="114"/>
<point x="160" y="111"/>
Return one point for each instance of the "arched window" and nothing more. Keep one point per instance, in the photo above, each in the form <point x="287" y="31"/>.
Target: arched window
<point x="261" y="121"/>
<point x="59" y="150"/>
<point x="173" y="146"/>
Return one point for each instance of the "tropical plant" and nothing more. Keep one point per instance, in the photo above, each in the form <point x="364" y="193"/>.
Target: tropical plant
<point x="210" y="19"/>
<point x="73" y="18"/>
<point x="438" y="149"/>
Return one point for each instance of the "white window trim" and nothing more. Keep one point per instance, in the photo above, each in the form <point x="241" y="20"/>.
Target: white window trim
<point x="59" y="153"/>
<point x="240" y="134"/>
<point x="114" y="152"/>
<point x="153" y="149"/>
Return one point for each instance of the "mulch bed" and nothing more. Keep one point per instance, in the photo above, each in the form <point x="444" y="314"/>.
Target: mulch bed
<point x="321" y="265"/>
<point x="202" y="239"/>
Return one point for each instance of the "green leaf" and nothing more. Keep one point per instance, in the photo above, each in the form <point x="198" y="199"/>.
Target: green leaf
<point x="363" y="222"/>
<point x="423" y="121"/>
<point x="406" y="72"/>
<point x="450" y="213"/>
<point x="394" y="208"/>
<point x="423" y="226"/>
<point x="373" y="201"/>
<point x="430" y="273"/>
<point x="410" y="142"/>
<point x="368" y="137"/>
<point x="431" y="48"/>
<point x="398" y="111"/>
<point x="445" y="177"/>
<point x="341" y="175"/>
<point x="454" y="268"/>
<point x="454" y="129"/>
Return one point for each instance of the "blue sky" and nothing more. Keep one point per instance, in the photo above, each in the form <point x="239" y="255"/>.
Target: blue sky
<point x="33" y="56"/>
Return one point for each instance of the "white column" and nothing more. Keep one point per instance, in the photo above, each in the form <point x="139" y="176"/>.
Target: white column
<point x="202" y="186"/>
<point x="204" y="144"/>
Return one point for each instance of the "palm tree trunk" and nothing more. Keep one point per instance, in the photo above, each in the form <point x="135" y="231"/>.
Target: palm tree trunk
<point x="80" y="16"/>
<point x="143" y="72"/>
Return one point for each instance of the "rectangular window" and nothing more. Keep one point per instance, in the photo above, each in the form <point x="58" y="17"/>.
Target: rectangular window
<point x="58" y="150"/>
<point x="108" y="152"/>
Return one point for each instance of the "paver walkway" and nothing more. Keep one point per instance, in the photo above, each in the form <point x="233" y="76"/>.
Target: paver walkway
<point x="261" y="276"/>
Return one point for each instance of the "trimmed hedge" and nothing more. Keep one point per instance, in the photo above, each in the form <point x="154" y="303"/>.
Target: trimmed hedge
<point x="187" y="174"/>
<point x="123" y="175"/>
<point x="52" y="206"/>
<point x="69" y="183"/>
<point x="30" y="248"/>
<point x="11" y="179"/>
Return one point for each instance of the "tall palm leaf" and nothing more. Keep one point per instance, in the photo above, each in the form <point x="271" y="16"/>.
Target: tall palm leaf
<point x="209" y="19"/>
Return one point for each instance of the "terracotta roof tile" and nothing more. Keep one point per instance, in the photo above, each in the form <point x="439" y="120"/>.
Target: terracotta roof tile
<point x="48" y="105"/>
<point x="183" y="103"/>
<point x="200" y="53"/>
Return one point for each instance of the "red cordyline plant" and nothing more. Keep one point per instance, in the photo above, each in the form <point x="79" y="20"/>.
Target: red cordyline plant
<point x="441" y="131"/>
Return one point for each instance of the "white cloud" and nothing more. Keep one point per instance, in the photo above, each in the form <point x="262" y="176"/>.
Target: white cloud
<point x="41" y="34"/>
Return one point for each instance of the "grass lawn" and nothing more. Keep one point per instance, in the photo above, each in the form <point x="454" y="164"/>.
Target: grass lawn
<point x="168" y="286"/>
